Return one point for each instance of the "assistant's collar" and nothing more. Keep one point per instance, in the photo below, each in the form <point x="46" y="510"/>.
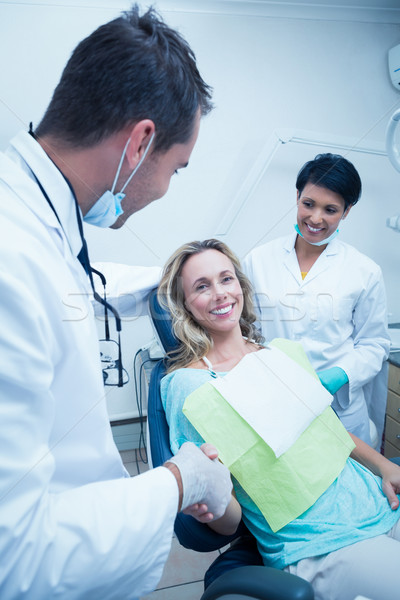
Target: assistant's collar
<point x="30" y="155"/>
<point x="289" y="242"/>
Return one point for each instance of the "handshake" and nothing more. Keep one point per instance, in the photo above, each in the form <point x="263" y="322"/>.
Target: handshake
<point x="204" y="483"/>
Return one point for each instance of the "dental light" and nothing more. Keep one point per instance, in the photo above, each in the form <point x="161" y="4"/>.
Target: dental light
<point x="393" y="152"/>
<point x="392" y="149"/>
<point x="394" y="66"/>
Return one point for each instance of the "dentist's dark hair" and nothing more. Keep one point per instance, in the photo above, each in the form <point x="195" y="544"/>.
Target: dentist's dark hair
<point x="334" y="172"/>
<point x="132" y="68"/>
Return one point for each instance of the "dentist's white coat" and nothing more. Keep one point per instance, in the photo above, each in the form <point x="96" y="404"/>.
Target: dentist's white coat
<point x="72" y="523"/>
<point x="338" y="313"/>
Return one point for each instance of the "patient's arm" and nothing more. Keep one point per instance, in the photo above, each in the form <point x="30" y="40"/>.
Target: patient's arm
<point x="226" y="525"/>
<point x="379" y="465"/>
<point x="229" y="522"/>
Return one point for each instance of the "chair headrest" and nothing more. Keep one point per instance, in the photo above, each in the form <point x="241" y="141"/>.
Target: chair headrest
<point x="162" y="323"/>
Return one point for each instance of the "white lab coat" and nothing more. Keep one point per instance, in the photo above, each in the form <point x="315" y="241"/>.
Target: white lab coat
<point x="338" y="313"/>
<point x="73" y="524"/>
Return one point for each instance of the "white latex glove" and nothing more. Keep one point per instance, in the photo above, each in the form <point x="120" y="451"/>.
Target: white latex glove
<point x="204" y="481"/>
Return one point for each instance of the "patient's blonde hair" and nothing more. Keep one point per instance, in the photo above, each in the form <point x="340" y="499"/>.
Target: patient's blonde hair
<point x="196" y="341"/>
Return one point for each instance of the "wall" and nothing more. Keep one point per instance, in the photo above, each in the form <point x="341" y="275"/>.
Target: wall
<point x="273" y="65"/>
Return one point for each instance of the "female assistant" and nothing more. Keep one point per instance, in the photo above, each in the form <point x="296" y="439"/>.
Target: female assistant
<point x="312" y="287"/>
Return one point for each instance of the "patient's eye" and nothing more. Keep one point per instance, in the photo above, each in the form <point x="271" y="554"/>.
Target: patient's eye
<point x="201" y="287"/>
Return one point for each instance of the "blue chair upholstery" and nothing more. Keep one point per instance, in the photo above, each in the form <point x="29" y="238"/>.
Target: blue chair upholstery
<point x="250" y="581"/>
<point x="188" y="531"/>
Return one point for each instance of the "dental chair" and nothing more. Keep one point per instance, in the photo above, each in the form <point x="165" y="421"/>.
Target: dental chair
<point x="238" y="573"/>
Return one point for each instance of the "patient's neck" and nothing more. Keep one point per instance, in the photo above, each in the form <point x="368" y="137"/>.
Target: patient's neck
<point x="228" y="349"/>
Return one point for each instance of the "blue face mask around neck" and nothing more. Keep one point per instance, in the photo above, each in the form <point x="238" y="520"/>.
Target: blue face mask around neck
<point x="322" y="242"/>
<point x="106" y="210"/>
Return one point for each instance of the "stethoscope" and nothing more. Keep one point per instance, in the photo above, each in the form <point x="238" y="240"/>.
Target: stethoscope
<point x="83" y="258"/>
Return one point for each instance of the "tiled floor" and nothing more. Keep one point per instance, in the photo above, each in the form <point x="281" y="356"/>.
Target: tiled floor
<point x="183" y="574"/>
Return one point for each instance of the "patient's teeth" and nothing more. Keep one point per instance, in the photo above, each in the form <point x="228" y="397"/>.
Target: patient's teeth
<point x="222" y="311"/>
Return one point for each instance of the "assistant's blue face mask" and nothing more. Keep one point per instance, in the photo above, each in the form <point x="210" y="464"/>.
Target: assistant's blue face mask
<point x="322" y="242"/>
<point x="106" y="210"/>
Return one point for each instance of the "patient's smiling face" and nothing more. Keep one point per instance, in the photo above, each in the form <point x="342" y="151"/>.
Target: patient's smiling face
<point x="212" y="291"/>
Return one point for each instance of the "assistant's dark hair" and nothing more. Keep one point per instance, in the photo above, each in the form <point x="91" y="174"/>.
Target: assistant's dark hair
<point x="132" y="68"/>
<point x="334" y="172"/>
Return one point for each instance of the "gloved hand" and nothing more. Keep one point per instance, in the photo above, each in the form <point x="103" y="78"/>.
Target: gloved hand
<point x="204" y="481"/>
<point x="333" y="379"/>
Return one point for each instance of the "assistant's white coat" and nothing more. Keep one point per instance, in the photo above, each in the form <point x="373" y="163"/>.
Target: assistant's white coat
<point x="338" y="313"/>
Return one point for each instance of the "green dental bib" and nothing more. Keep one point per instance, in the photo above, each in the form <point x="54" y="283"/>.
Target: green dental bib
<point x="285" y="487"/>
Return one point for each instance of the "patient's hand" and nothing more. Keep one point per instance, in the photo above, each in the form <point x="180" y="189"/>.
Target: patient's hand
<point x="381" y="466"/>
<point x="199" y="512"/>
<point x="209" y="450"/>
<point x="391" y="483"/>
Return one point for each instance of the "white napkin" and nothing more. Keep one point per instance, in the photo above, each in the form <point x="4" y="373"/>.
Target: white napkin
<point x="275" y="395"/>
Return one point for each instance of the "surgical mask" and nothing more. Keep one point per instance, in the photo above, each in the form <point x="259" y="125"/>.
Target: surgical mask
<point x="322" y="242"/>
<point x="107" y="208"/>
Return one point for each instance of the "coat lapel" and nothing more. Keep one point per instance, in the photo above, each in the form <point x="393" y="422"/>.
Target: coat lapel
<point x="290" y="261"/>
<point x="323" y="262"/>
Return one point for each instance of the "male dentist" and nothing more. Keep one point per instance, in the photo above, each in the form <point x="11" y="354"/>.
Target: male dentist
<point x="124" y="117"/>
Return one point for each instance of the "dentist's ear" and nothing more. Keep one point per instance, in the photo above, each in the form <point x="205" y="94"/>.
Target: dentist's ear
<point x="139" y="136"/>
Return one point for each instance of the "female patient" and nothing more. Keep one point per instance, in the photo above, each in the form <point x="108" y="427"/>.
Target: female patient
<point x="347" y="543"/>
